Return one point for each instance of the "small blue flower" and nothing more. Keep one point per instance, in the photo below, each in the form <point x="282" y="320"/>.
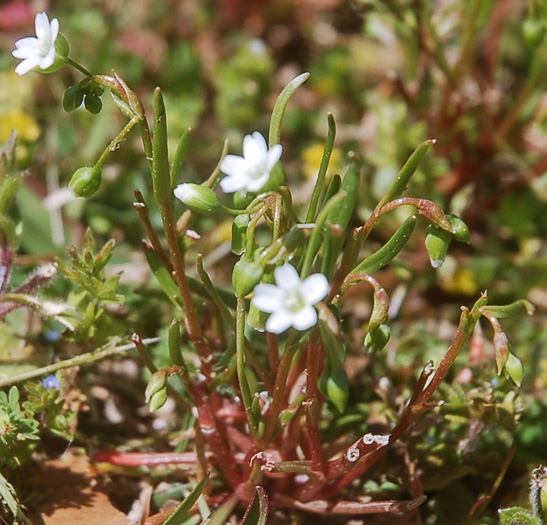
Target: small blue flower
<point x="51" y="382"/>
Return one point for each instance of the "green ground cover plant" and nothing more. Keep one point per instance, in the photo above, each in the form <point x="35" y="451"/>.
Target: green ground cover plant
<point x="270" y="332"/>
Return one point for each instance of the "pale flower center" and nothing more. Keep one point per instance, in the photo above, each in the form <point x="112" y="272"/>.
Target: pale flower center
<point x="294" y="301"/>
<point x="256" y="168"/>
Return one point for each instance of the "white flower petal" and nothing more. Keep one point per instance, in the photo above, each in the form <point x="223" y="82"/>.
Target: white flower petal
<point x="304" y="318"/>
<point x="287" y="277"/>
<point x="26" y="65"/>
<point x="314" y="288"/>
<point x="23" y="45"/>
<point x="231" y="184"/>
<point x="257" y="184"/>
<point x="233" y="165"/>
<point x="279" y="322"/>
<point x="41" y="26"/>
<point x="254" y="147"/>
<point x="274" y="155"/>
<point x="54" y="29"/>
<point x="48" y="60"/>
<point x="268" y="298"/>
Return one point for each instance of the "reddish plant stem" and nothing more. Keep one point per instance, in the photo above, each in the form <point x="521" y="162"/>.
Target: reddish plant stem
<point x="218" y="444"/>
<point x="313" y="353"/>
<point x="273" y="352"/>
<point x="146" y="459"/>
<point x="419" y="405"/>
<point x="279" y="392"/>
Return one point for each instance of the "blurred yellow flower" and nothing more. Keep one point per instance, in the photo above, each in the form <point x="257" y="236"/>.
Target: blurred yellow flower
<point x="312" y="156"/>
<point x="15" y="94"/>
<point x="26" y="126"/>
<point x="461" y="281"/>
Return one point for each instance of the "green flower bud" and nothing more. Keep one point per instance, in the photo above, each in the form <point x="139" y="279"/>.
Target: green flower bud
<point x="277" y="177"/>
<point x="242" y="199"/>
<point x="73" y="98"/>
<point x="533" y="31"/>
<point x="437" y="241"/>
<point x="198" y="198"/>
<point x="158" y="400"/>
<point x="333" y="384"/>
<point x="93" y="103"/>
<point x="514" y="369"/>
<point x="461" y="231"/>
<point x="157" y="384"/>
<point x="257" y="319"/>
<point x="85" y="181"/>
<point x="245" y="277"/>
<point x="239" y="233"/>
<point x="378" y="338"/>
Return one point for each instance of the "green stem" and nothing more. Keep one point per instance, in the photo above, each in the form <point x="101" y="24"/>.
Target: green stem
<point x="240" y="352"/>
<point x="79" y="67"/>
<point x="115" y="142"/>
<point x="100" y="353"/>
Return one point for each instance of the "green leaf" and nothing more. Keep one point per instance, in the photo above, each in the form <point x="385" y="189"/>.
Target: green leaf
<point x="222" y="513"/>
<point x="258" y="510"/>
<point x="8" y="496"/>
<point x="281" y="105"/>
<point x="180" y="155"/>
<point x="160" y="162"/>
<point x="400" y="183"/>
<point x="509" y="310"/>
<point x="387" y="252"/>
<point x="517" y="516"/>
<point x="183" y="510"/>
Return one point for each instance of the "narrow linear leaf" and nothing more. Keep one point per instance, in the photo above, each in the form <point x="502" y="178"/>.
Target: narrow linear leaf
<point x="160" y="163"/>
<point x="281" y="105"/>
<point x="258" y="510"/>
<point x="400" y="183"/>
<point x="181" y="514"/>
<point x="388" y="252"/>
<point x="180" y="155"/>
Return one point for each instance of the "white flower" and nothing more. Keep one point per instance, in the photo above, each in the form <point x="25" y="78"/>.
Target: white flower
<point x="252" y="171"/>
<point x="290" y="303"/>
<point x="38" y="51"/>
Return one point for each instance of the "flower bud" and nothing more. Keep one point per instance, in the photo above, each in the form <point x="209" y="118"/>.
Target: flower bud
<point x="85" y="181"/>
<point x="257" y="319"/>
<point x="239" y="233"/>
<point x="378" y="338"/>
<point x="156" y="391"/>
<point x="158" y="400"/>
<point x="333" y="384"/>
<point x="533" y="31"/>
<point x="461" y="231"/>
<point x="514" y="369"/>
<point x="198" y="198"/>
<point x="73" y="98"/>
<point x="437" y="241"/>
<point x="242" y="199"/>
<point x="245" y="277"/>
